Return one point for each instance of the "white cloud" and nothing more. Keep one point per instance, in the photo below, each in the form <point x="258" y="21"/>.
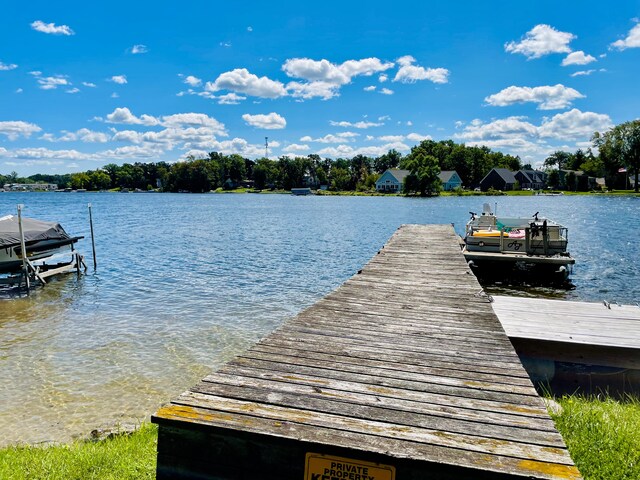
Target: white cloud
<point x="225" y="44"/>
<point x="541" y="40"/>
<point x="51" y="83"/>
<point x="7" y="66"/>
<point x="504" y="128"/>
<point x="139" y="49"/>
<point x="193" y="81"/>
<point x="83" y="135"/>
<point x="328" y="72"/>
<point x="271" y="121"/>
<point x="73" y="90"/>
<point x="89" y="84"/>
<point x="409" y="73"/>
<point x="582" y="73"/>
<point x="332" y="138"/>
<point x="249" y="29"/>
<point x="180" y="120"/>
<point x="370" y="88"/>
<point x="383" y="78"/>
<point x="15" y="129"/>
<point x="51" y="28"/>
<point x="230" y="99"/>
<point x="548" y="97"/>
<point x="574" y="125"/>
<point x="632" y="40"/>
<point x="386" y="91"/>
<point x="356" y="124"/>
<point x="371" y="150"/>
<point x="295" y="148"/>
<point x="417" y="137"/>
<point x="45" y="153"/>
<point x="391" y="138"/>
<point x="119" y="79"/>
<point x="578" y="58"/>
<point x="241" y="81"/>
<point x="124" y="115"/>
<point x="19" y="90"/>
<point x="518" y="136"/>
<point x="305" y="91"/>
<point x="115" y="95"/>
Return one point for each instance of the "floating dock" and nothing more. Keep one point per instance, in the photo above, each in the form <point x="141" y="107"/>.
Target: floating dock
<point x="575" y="346"/>
<point x="403" y="372"/>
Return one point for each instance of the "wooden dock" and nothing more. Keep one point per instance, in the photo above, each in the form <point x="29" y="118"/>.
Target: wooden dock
<point x="572" y="345"/>
<point x="402" y="372"/>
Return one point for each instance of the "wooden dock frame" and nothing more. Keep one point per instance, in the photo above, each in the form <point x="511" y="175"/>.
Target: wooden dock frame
<point x="403" y="372"/>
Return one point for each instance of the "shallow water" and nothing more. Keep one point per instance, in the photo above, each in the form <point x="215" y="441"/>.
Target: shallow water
<point x="185" y="282"/>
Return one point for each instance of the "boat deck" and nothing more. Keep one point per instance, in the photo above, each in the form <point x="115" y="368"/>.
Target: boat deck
<point x="402" y="372"/>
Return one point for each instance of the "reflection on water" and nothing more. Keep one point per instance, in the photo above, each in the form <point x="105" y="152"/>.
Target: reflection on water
<point x="185" y="282"/>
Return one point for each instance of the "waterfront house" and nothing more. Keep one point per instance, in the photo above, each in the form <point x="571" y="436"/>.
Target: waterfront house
<point x="450" y="180"/>
<point x="392" y="180"/>
<point x="530" y="179"/>
<point x="498" y="179"/>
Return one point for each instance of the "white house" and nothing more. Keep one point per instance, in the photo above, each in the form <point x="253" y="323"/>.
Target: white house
<point x="391" y="180"/>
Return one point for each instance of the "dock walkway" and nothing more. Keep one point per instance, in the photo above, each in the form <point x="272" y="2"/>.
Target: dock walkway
<point x="402" y="372"/>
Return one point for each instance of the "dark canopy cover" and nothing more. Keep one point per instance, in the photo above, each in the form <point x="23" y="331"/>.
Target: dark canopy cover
<point x="34" y="231"/>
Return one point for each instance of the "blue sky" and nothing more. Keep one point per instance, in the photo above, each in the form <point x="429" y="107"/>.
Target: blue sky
<point x="83" y="85"/>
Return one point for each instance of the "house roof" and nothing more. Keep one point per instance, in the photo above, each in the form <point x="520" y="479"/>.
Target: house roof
<point x="398" y="174"/>
<point x="445" y="175"/>
<point x="504" y="173"/>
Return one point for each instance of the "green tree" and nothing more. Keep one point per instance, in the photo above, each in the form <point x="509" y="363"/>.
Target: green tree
<point x="80" y="180"/>
<point x="265" y="173"/>
<point x="622" y="144"/>
<point x="384" y="162"/>
<point x="99" y="180"/>
<point x="424" y="171"/>
<point x="559" y="159"/>
<point x="553" y="180"/>
<point x="340" y="179"/>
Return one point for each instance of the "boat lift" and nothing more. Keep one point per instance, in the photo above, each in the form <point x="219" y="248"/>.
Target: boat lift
<point x="36" y="272"/>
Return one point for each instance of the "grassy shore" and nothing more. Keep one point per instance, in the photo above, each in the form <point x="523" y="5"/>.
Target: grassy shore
<point x="603" y="436"/>
<point x="121" y="457"/>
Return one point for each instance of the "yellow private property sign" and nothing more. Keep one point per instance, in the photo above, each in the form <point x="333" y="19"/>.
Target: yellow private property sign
<point x="325" y="467"/>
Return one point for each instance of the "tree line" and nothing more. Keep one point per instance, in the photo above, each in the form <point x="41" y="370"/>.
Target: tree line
<point x="618" y="148"/>
<point x="358" y="173"/>
<point x="618" y="155"/>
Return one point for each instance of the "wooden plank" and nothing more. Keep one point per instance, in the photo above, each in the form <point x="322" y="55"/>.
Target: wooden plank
<point x="405" y="362"/>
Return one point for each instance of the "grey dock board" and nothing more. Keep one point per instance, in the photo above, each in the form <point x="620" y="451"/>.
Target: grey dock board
<point x="405" y="364"/>
<point x="569" y="331"/>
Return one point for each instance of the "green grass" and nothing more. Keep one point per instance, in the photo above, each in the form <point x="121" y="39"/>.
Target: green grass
<point x="603" y="436"/>
<point x="124" y="456"/>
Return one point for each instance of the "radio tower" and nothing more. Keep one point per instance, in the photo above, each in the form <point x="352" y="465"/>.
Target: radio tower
<point x="266" y="147"/>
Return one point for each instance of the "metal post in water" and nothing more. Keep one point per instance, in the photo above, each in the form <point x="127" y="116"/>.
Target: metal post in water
<point x="93" y="242"/>
<point x="23" y="247"/>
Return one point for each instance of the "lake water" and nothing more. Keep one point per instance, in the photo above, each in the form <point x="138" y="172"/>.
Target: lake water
<point x="186" y="282"/>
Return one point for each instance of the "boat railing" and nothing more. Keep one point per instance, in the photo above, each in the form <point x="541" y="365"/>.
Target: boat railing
<point x="536" y="241"/>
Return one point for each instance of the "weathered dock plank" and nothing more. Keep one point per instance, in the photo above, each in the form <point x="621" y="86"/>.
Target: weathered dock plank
<point x="402" y="372"/>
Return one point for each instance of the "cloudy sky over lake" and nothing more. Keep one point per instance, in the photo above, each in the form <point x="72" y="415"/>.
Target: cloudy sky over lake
<point x="86" y="84"/>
